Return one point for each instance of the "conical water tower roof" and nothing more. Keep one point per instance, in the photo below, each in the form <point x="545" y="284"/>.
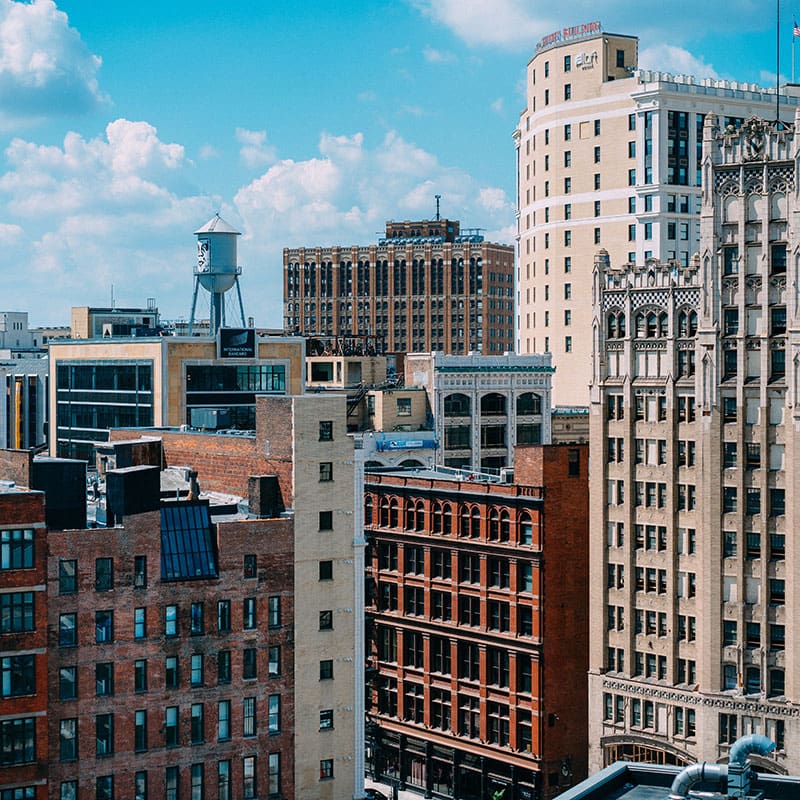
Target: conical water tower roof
<point x="217" y="225"/>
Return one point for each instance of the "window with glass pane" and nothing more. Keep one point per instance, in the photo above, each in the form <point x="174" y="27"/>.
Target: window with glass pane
<point x="197" y="669"/>
<point x="68" y="739"/>
<point x="16" y="549"/>
<point x="197" y="622"/>
<point x="274" y="773"/>
<point x="139" y="623"/>
<point x="67" y="576"/>
<point x="171" y="620"/>
<point x="224" y="719"/>
<point x="249" y="716"/>
<point x="223" y="616"/>
<point x="104" y="574"/>
<point x="104" y="734"/>
<point x="274" y="721"/>
<point x="171" y="726"/>
<point x="224" y="780"/>
<point x="198" y="733"/>
<point x="198" y="781"/>
<point x="140" y="731"/>
<point x="249" y="777"/>
<point x="274" y="663"/>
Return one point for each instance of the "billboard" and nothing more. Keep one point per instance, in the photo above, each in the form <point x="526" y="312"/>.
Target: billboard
<point x="237" y="343"/>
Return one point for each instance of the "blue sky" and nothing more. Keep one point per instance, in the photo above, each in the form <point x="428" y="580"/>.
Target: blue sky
<point x="125" y="125"/>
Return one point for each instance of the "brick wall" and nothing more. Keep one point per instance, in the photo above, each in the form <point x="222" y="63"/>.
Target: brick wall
<point x="15" y="465"/>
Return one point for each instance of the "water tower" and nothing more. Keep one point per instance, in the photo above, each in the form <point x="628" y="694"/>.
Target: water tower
<point x="216" y="270"/>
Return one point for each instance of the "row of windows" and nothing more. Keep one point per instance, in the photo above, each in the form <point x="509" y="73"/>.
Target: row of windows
<point x="496" y="613"/>
<point x="105" y="789"/>
<point x="617" y="709"/>
<point x="441" y="519"/>
<point x="652" y="408"/>
<point x="492" y="404"/>
<point x="170" y="726"/>
<point x="104" y="620"/>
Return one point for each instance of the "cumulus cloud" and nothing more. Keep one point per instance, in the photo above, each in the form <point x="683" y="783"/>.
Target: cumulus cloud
<point x="254" y="151"/>
<point x="345" y="195"/>
<point x="669" y="58"/>
<point x="45" y="67"/>
<point x="118" y="208"/>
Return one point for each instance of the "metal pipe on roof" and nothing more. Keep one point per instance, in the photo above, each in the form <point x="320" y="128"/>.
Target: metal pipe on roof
<point x="694" y="773"/>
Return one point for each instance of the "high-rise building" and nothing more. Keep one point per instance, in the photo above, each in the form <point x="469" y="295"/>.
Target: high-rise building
<point x="608" y="156"/>
<point x="478" y="626"/>
<point x="694" y="433"/>
<point x="426" y="285"/>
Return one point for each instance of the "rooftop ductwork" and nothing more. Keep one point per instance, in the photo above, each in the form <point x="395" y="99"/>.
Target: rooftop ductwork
<point x="736" y="771"/>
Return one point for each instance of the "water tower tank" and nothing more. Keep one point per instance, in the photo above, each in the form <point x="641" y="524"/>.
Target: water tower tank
<point x="217" y="266"/>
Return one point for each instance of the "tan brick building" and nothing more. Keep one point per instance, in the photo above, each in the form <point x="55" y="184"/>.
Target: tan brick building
<point x="694" y="437"/>
<point x="608" y="156"/>
<point x="425" y="286"/>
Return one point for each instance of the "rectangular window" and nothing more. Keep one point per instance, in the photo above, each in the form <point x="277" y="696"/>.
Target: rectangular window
<point x="139" y="786"/>
<point x="326" y="430"/>
<point x="104" y="626"/>
<point x="67" y="576"/>
<point x="139" y="572"/>
<point x="17" y="613"/>
<point x="197" y="669"/>
<point x="274" y="612"/>
<point x="197" y="621"/>
<point x="197" y="730"/>
<point x="104" y="787"/>
<point x="326" y="719"/>
<point x="249" y="613"/>
<point x="224" y="720"/>
<point x="250" y="566"/>
<point x="104" y="734"/>
<point x="274" y="773"/>
<point x="274" y="661"/>
<point x="140" y="675"/>
<point x="139" y="623"/>
<point x="249" y="716"/>
<point x="223" y="616"/>
<point x="224" y="666"/>
<point x="198" y="783"/>
<point x="104" y="678"/>
<point x="249" y="778"/>
<point x="16" y="549"/>
<point x="67" y="683"/>
<point x="326" y="620"/>
<point x="326" y="570"/>
<point x="249" y="661"/>
<point x="224" y="780"/>
<point x="274" y="719"/>
<point x="171" y="620"/>
<point x="104" y="574"/>
<point x="326" y="769"/>
<point x="170" y="783"/>
<point x="140" y="730"/>
<point x="68" y="739"/>
<point x="326" y="669"/>
<point x="171" y="726"/>
<point x="171" y="672"/>
<point x="326" y="520"/>
<point x="325" y="471"/>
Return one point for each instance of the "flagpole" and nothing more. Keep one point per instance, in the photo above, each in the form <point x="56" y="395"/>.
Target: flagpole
<point x="778" y="60"/>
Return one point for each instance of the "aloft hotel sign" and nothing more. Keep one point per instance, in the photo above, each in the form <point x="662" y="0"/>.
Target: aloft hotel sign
<point x="569" y="35"/>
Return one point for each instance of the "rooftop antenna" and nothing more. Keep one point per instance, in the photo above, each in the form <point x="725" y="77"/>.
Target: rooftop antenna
<point x="778" y="60"/>
<point x="438" y="198"/>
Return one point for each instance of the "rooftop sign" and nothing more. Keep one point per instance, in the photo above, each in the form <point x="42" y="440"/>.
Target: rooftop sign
<point x="569" y="35"/>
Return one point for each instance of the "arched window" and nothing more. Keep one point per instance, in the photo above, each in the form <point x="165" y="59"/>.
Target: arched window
<point x="494" y="525"/>
<point x="641" y="326"/>
<point x="368" y="510"/>
<point x="436" y="513"/>
<point x="525" y="529"/>
<point x="457" y="405"/>
<point x="611" y="329"/>
<point x="505" y="526"/>
<point x="464" y="529"/>
<point x="777" y="683"/>
<point x="394" y="521"/>
<point x="411" y="516"/>
<point x="447" y="520"/>
<point x="475" y="526"/>
<point x="384" y="513"/>
<point x="529" y="403"/>
<point x="493" y="405"/>
<point x="420" y="524"/>
<point x="652" y="325"/>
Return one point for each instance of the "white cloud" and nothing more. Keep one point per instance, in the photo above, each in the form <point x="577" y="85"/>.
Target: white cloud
<point x="669" y="58"/>
<point x="45" y="68"/>
<point x="508" y="23"/>
<point x="344" y="196"/>
<point x="119" y="208"/>
<point x="367" y="96"/>
<point x="255" y="152"/>
<point x="208" y="151"/>
<point x="434" y="56"/>
<point x="498" y="105"/>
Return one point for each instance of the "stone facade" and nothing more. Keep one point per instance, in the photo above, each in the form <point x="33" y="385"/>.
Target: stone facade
<point x="693" y="425"/>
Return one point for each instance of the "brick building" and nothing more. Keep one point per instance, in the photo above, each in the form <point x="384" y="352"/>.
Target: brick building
<point x="478" y="626"/>
<point x="202" y="651"/>
<point x="427" y="285"/>
<point x="23" y="639"/>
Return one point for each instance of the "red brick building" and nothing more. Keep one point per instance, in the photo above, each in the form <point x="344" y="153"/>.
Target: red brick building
<point x="23" y="639"/>
<point x="478" y="627"/>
